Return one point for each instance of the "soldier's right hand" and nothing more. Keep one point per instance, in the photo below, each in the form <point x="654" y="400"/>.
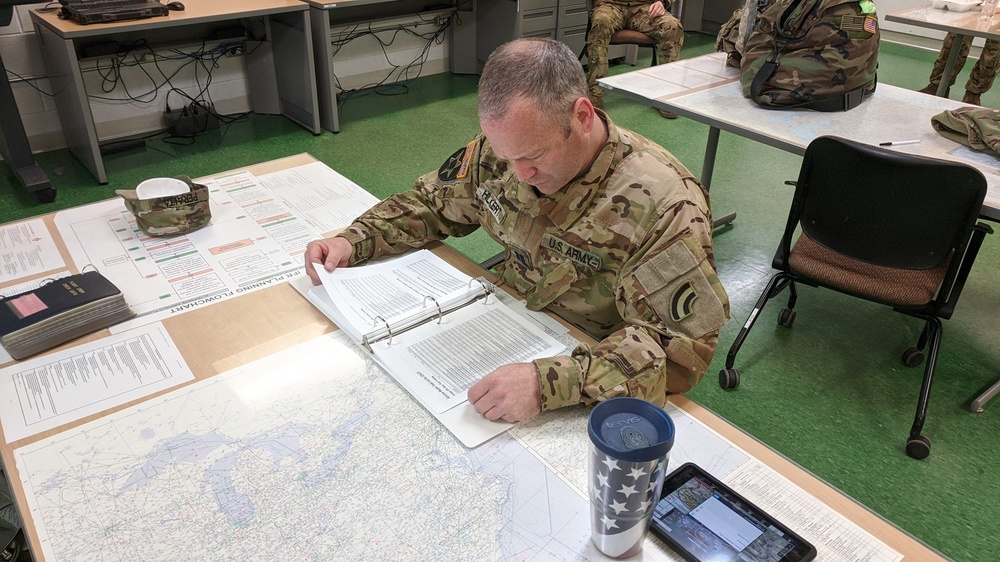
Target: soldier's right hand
<point x="331" y="252"/>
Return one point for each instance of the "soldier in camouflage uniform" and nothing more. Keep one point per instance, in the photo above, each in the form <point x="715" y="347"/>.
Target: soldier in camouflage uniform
<point x="651" y="18"/>
<point x="602" y="227"/>
<point x="982" y="74"/>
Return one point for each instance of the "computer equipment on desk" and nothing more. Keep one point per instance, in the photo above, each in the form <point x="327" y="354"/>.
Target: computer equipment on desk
<point x="105" y="11"/>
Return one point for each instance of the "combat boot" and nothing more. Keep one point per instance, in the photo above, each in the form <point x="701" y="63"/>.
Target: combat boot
<point x="932" y="90"/>
<point x="971" y="97"/>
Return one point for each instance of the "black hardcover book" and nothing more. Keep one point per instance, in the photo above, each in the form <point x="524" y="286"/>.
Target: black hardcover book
<point x="58" y="312"/>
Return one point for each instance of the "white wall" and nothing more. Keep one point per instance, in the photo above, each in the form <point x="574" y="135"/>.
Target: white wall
<point x="362" y="62"/>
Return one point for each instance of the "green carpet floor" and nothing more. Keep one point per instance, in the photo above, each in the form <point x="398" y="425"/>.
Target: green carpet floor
<point x="830" y="393"/>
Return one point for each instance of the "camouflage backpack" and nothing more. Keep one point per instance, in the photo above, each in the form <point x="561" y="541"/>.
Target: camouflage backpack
<point x="816" y="54"/>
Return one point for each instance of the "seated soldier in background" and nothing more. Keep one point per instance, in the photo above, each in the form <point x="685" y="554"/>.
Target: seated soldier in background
<point x="651" y="18"/>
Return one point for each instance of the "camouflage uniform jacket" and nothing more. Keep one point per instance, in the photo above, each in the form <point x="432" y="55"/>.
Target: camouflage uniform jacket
<point x="623" y="252"/>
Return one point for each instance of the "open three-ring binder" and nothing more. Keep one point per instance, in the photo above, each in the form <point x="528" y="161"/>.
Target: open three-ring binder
<point x="434" y="329"/>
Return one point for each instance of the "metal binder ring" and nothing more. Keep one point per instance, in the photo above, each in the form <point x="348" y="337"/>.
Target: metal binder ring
<point x="440" y="314"/>
<point x="487" y="290"/>
<point x="387" y="327"/>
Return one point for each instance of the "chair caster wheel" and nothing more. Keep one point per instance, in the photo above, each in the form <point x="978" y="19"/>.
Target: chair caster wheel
<point x="912" y="357"/>
<point x="918" y="447"/>
<point x="729" y="378"/>
<point x="786" y="317"/>
<point x="47" y="195"/>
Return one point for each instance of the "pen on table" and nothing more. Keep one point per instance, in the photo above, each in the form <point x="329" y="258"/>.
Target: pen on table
<point x="897" y="143"/>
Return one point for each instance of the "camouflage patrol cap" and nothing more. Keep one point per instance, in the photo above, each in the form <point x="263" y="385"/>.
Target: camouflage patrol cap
<point x="171" y="215"/>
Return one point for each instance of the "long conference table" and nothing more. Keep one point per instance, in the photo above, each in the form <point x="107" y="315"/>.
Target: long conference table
<point x="288" y="444"/>
<point x="704" y="89"/>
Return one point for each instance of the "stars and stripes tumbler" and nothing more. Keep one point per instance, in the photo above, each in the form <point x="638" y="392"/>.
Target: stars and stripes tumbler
<point x="630" y="441"/>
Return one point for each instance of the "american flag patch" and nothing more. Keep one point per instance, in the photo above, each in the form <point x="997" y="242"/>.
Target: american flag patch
<point x="871" y="24"/>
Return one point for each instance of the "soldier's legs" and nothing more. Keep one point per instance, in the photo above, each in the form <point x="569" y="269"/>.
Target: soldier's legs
<point x="665" y="29"/>
<point x="604" y="21"/>
<point x="942" y="60"/>
<point x="983" y="73"/>
<point x="667" y="32"/>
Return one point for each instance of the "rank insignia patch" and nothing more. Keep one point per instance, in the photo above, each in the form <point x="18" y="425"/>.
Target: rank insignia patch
<point x="456" y="167"/>
<point x="682" y="302"/>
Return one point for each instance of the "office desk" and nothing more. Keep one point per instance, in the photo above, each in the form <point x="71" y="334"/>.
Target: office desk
<point x="962" y="24"/>
<point x="371" y="500"/>
<point x="291" y="67"/>
<point x="704" y="89"/>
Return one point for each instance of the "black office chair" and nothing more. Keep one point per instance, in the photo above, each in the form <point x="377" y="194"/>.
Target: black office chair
<point x="623" y="37"/>
<point x="888" y="227"/>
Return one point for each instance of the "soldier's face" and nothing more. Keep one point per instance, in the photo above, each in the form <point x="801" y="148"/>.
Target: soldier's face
<point x="537" y="146"/>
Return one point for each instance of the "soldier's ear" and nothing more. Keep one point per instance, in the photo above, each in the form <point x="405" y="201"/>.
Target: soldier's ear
<point x="584" y="113"/>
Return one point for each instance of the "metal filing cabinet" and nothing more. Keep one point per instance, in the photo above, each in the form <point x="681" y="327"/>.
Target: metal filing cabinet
<point x="499" y="21"/>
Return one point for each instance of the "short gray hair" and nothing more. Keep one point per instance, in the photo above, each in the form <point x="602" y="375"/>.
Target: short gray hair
<point x="541" y="70"/>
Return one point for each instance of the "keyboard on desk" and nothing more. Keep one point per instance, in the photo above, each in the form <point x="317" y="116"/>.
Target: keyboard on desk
<point x="103" y="11"/>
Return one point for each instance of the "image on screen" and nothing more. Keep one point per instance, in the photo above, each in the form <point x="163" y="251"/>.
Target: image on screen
<point x="716" y="529"/>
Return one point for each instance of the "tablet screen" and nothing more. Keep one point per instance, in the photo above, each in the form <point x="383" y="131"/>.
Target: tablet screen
<point x="707" y="522"/>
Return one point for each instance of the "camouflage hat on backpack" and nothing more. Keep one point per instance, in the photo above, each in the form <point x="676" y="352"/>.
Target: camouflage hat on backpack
<point x="173" y="214"/>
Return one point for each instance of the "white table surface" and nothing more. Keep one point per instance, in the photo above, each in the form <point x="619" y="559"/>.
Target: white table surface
<point x="704" y="89"/>
<point x="963" y="23"/>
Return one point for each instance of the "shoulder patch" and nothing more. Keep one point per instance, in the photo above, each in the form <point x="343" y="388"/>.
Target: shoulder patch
<point x="456" y="167"/>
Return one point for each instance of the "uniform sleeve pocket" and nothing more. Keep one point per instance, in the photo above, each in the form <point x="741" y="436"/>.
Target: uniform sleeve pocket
<point x="677" y="287"/>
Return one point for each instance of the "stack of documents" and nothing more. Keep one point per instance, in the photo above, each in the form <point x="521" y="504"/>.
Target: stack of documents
<point x="58" y="312"/>
<point x="434" y="329"/>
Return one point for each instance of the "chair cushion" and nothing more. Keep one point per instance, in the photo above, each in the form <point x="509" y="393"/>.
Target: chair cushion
<point x="890" y="285"/>
<point x="625" y="36"/>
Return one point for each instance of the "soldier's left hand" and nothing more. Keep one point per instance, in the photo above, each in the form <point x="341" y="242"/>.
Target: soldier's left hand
<point x="657" y="9"/>
<point x="511" y="393"/>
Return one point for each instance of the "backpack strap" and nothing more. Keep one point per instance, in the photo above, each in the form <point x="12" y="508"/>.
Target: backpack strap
<point x="849" y="100"/>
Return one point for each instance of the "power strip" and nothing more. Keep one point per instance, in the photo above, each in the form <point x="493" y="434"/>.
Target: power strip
<point x="191" y="120"/>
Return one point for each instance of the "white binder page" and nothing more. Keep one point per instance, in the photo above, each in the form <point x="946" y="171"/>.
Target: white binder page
<point x="439" y="361"/>
<point x="394" y="292"/>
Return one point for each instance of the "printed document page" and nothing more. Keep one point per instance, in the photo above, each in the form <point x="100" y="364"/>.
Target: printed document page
<point x="395" y="291"/>
<point x="39" y="394"/>
<point x="439" y="361"/>
<point x="27" y="249"/>
<point x="256" y="238"/>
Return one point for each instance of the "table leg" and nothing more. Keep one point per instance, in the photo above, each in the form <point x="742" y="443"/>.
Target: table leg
<point x="323" y="58"/>
<point x="72" y="103"/>
<point x="949" y="67"/>
<point x="14" y="147"/>
<point x="294" y="68"/>
<point x="979" y="402"/>
<point x="706" y="173"/>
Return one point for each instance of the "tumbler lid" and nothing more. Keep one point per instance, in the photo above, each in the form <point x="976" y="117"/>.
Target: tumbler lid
<point x="631" y="429"/>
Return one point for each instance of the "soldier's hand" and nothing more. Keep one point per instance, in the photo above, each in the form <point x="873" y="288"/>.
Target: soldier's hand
<point x="657" y="9"/>
<point x="331" y="252"/>
<point x="511" y="393"/>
